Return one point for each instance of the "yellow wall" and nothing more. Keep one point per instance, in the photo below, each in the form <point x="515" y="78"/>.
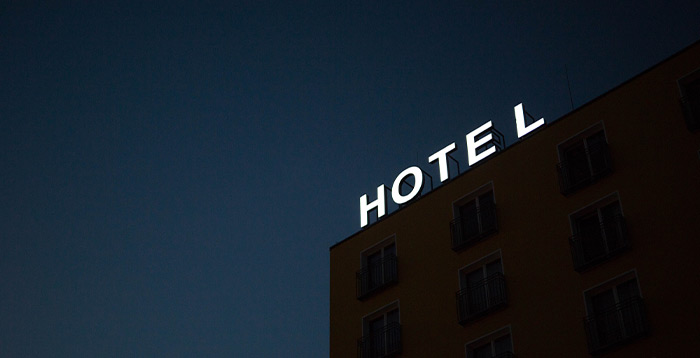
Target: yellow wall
<point x="657" y="177"/>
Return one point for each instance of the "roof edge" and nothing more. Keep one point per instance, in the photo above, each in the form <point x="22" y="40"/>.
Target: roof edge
<point x="586" y="104"/>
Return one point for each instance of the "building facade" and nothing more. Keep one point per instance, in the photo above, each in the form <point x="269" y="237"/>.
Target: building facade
<point x="581" y="239"/>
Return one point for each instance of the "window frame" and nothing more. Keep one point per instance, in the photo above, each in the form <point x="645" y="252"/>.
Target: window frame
<point x="613" y="284"/>
<point x="481" y="264"/>
<point x="489" y="338"/>
<point x="605" y="285"/>
<point x="617" y="222"/>
<point x="483" y="233"/>
<point x="363" y="290"/>
<point x="384" y="313"/>
<point x="568" y="188"/>
<point x="692" y="119"/>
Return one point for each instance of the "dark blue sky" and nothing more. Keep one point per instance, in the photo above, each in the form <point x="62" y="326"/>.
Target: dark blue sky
<point x="172" y="175"/>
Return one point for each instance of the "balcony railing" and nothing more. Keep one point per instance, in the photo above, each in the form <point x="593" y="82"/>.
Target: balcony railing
<point x="385" y="342"/>
<point x="481" y="298"/>
<point x="468" y="230"/>
<point x="588" y="249"/>
<point x="374" y="277"/>
<point x="691" y="112"/>
<point x="620" y="324"/>
<point x="504" y="355"/>
<point x="576" y="174"/>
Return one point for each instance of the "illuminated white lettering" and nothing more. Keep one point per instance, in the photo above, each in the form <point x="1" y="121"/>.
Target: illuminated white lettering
<point x="486" y="142"/>
<point x="417" y="186"/>
<point x="441" y="157"/>
<point x="379" y="204"/>
<point x="473" y="145"/>
<point x="520" y="122"/>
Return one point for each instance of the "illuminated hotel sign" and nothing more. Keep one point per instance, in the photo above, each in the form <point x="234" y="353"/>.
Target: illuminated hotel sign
<point x="473" y="156"/>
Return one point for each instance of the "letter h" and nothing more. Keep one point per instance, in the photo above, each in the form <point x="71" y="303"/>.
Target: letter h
<point x="379" y="204"/>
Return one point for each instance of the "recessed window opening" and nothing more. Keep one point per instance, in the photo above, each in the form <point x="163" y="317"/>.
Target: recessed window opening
<point x="482" y="288"/>
<point x="475" y="218"/>
<point x="496" y="344"/>
<point x="599" y="232"/>
<point x="379" y="268"/>
<point x="584" y="159"/>
<point x="690" y="99"/>
<point x="616" y="313"/>
<point x="381" y="333"/>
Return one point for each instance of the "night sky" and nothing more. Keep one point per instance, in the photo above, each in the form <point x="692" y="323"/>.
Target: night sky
<point x="172" y="175"/>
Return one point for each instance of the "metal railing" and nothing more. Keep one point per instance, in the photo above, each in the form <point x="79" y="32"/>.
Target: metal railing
<point x="481" y="298"/>
<point x="617" y="325"/>
<point x="504" y="355"/>
<point x="577" y="174"/>
<point x="372" y="278"/>
<point x="468" y="230"/>
<point x="691" y="112"/>
<point x="384" y="342"/>
<point x="588" y="249"/>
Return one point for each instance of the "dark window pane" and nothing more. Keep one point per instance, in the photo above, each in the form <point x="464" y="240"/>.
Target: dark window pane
<point x="503" y="345"/>
<point x="376" y="324"/>
<point x="392" y="316"/>
<point x="576" y="164"/>
<point x="374" y="258"/>
<point x="597" y="153"/>
<point x="486" y="199"/>
<point x="487" y="215"/>
<point x="377" y="337"/>
<point x="390" y="250"/>
<point x="596" y="139"/>
<point x="602" y="301"/>
<point x="627" y="290"/>
<point x="612" y="226"/>
<point x="475" y="277"/>
<point x="588" y="224"/>
<point x="610" y="211"/>
<point x="469" y="220"/>
<point x="692" y="89"/>
<point x="589" y="233"/>
<point x="606" y="325"/>
<point x="376" y="273"/>
<point x="483" y="351"/>
<point x="494" y="267"/>
<point x="477" y="300"/>
<point x="692" y="92"/>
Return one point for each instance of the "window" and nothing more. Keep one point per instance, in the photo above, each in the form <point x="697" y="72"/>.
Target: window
<point x="382" y="336"/>
<point x="690" y="100"/>
<point x="599" y="233"/>
<point x="475" y="218"/>
<point x="584" y="159"/>
<point x="495" y="345"/>
<point x="616" y="313"/>
<point x="379" y="269"/>
<point x="483" y="288"/>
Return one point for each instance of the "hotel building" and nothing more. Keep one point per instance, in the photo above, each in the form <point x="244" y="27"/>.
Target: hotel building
<point x="582" y="239"/>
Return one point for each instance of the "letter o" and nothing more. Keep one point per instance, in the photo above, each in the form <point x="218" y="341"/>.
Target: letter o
<point x="417" y="188"/>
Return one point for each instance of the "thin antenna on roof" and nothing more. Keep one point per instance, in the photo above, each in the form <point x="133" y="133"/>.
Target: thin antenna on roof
<point x="568" y="84"/>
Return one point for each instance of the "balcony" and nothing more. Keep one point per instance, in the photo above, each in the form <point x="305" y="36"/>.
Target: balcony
<point x="469" y="230"/>
<point x="504" y="355"/>
<point x="385" y="342"/>
<point x="477" y="300"/>
<point x="691" y="112"/>
<point x="618" y="325"/>
<point x="589" y="249"/>
<point x="373" y="278"/>
<point x="575" y="174"/>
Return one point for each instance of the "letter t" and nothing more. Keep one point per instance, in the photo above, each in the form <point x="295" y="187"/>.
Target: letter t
<point x="441" y="157"/>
